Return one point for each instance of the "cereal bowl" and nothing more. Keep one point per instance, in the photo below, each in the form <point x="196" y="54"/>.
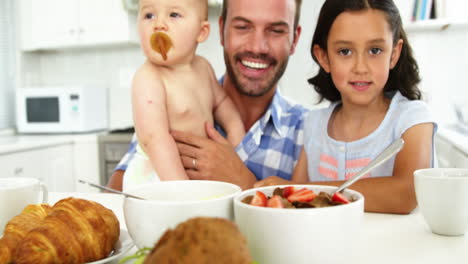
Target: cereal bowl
<point x="166" y="204"/>
<point x="306" y="235"/>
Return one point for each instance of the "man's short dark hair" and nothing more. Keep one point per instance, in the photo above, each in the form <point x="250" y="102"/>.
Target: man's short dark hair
<point x="296" y="17"/>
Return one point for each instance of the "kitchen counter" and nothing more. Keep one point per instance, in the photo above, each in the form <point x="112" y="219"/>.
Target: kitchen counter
<point x="385" y="238"/>
<point x="455" y="135"/>
<point x="18" y="143"/>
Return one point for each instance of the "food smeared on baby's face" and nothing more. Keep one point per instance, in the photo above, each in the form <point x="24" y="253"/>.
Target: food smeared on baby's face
<point x="161" y="43"/>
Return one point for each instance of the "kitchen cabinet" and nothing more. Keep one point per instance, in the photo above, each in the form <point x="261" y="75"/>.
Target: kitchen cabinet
<point x="86" y="162"/>
<point x="57" y="24"/>
<point x="52" y="165"/>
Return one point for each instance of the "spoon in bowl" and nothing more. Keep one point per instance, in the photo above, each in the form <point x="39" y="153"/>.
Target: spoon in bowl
<point x="391" y="150"/>
<point x="109" y="189"/>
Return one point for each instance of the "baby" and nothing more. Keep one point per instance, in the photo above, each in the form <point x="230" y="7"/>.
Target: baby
<point x="174" y="89"/>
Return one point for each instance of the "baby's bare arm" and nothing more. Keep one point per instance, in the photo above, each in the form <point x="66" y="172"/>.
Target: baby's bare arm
<point x="152" y="124"/>
<point x="225" y="112"/>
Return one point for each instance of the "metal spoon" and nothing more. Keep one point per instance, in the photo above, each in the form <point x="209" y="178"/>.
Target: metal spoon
<point x="109" y="189"/>
<point x="391" y="150"/>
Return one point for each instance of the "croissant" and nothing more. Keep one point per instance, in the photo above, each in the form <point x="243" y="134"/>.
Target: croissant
<point x="17" y="228"/>
<point x="76" y="231"/>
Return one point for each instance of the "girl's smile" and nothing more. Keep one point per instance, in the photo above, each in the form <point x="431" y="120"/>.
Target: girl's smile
<point x="360" y="86"/>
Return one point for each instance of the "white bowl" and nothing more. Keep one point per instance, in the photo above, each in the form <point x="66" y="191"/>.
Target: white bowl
<point x="442" y="195"/>
<point x="312" y="235"/>
<point x="169" y="203"/>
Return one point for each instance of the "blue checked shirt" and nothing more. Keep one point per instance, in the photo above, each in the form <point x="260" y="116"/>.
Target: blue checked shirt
<point x="270" y="147"/>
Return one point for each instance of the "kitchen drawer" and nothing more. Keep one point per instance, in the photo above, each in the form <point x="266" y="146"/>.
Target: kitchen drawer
<point x="51" y="165"/>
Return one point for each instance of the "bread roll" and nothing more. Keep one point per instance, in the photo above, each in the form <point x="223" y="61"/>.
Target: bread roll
<point x="76" y="231"/>
<point x="201" y="240"/>
<point x="17" y="228"/>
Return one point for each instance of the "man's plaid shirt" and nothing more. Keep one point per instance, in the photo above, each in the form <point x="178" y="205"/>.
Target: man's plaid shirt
<point x="271" y="146"/>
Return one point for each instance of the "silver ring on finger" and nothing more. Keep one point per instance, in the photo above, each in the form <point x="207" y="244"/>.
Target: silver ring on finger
<point x="194" y="163"/>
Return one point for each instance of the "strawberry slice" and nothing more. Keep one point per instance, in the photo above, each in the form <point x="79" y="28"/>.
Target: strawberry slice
<point x="259" y="199"/>
<point x="275" y="202"/>
<point x="303" y="195"/>
<point x="288" y="191"/>
<point x="340" y="198"/>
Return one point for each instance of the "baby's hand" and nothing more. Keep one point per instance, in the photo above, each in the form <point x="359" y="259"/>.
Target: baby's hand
<point x="272" y="180"/>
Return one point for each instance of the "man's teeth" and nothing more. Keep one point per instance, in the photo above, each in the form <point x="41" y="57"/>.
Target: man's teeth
<point x="254" y="65"/>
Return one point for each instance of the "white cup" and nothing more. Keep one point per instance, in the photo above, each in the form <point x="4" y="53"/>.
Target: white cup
<point x="442" y="195"/>
<point x="16" y="194"/>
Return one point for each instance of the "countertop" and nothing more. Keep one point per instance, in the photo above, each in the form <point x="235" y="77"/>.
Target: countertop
<point x="456" y="135"/>
<point x="385" y="238"/>
<point x="17" y="143"/>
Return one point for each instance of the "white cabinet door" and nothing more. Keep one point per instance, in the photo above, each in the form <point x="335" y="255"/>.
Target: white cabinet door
<point x="48" y="23"/>
<point x="52" y="165"/>
<point x="58" y="23"/>
<point x="52" y="24"/>
<point x="86" y="163"/>
<point x="59" y="168"/>
<point x="105" y="22"/>
<point x="22" y="164"/>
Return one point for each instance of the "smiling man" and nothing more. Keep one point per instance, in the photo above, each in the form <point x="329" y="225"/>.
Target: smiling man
<point x="258" y="37"/>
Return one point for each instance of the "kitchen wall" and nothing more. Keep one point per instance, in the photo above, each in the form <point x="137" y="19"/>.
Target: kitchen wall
<point x="443" y="59"/>
<point x="113" y="67"/>
<point x="442" y="56"/>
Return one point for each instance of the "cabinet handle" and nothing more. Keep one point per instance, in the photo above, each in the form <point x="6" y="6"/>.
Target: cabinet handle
<point x="18" y="171"/>
<point x="80" y="30"/>
<point x="72" y="31"/>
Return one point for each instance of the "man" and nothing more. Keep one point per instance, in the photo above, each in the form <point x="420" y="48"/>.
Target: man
<point x="258" y="37"/>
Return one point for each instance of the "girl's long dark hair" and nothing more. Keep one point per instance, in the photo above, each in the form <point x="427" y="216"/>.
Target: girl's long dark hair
<point x="404" y="77"/>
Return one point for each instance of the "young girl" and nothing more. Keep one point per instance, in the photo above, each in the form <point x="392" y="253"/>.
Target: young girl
<point x="368" y="73"/>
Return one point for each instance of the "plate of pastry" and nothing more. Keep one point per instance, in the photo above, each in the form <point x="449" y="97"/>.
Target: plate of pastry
<point x="121" y="247"/>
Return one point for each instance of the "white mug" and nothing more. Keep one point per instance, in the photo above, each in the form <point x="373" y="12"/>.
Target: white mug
<point x="442" y="195"/>
<point x="16" y="193"/>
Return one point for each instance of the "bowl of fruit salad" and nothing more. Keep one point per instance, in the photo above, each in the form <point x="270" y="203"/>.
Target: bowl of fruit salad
<point x="299" y="223"/>
<point x="165" y="204"/>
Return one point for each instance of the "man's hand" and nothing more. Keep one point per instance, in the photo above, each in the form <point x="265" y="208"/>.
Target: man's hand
<point x="212" y="159"/>
<point x="116" y="180"/>
<point x="272" y="180"/>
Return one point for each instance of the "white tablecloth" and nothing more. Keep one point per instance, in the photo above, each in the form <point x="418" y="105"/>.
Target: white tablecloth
<point x="386" y="238"/>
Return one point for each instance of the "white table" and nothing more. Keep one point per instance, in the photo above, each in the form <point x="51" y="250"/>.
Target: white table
<point x="386" y="238"/>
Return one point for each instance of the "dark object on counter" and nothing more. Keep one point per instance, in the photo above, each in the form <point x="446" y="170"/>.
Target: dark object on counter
<point x="128" y="130"/>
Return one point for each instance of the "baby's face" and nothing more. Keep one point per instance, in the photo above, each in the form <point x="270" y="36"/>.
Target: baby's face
<point x="180" y="22"/>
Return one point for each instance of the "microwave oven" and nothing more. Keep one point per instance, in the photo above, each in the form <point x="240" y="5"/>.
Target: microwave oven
<point x="61" y="109"/>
